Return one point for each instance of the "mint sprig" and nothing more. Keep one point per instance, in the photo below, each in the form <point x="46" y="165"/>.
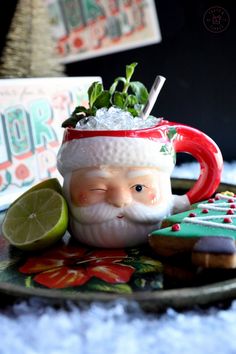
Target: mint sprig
<point x="132" y="97"/>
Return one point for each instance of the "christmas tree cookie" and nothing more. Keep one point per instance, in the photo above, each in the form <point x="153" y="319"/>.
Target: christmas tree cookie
<point x="208" y="231"/>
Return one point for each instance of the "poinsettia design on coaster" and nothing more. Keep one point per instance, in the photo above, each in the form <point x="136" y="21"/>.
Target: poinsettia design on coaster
<point x="69" y="266"/>
<point x="73" y="266"/>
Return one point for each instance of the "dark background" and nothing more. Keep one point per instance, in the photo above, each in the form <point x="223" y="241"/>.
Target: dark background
<point x="200" y="67"/>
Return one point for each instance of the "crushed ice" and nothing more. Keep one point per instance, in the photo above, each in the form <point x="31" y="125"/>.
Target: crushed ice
<point x="115" y="119"/>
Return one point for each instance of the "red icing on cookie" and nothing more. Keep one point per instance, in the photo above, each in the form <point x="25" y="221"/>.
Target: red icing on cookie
<point x="230" y="200"/>
<point x="232" y="206"/>
<point x="227" y="220"/>
<point x="230" y="212"/>
<point x="211" y="200"/>
<point x="205" y="211"/>
<point x="192" y="215"/>
<point x="175" y="227"/>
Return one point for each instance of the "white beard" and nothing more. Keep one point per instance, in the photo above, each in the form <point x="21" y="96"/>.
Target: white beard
<point x="99" y="225"/>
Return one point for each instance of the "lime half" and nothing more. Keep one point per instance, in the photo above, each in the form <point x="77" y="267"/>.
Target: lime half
<point x="51" y="183"/>
<point x="36" y="220"/>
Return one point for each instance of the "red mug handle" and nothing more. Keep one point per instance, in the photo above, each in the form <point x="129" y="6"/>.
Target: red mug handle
<point x="207" y="153"/>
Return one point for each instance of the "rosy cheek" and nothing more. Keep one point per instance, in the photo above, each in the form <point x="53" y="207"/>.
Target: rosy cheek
<point x="152" y="198"/>
<point x="80" y="199"/>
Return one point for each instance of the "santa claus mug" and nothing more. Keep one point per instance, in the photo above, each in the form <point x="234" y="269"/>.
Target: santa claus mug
<point x="117" y="183"/>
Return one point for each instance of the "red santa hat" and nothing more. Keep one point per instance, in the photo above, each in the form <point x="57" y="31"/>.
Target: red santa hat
<point x="149" y="147"/>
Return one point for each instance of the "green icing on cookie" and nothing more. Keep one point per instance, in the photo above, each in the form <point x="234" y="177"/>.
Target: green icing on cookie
<point x="214" y="217"/>
<point x="195" y="231"/>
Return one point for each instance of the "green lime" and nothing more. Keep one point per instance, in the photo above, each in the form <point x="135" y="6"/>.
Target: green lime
<point x="51" y="183"/>
<point x="36" y="220"/>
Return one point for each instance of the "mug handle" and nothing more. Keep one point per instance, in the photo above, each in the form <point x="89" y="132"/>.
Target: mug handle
<point x="207" y="153"/>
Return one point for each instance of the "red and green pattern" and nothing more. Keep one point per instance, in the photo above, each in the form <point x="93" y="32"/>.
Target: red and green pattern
<point x="72" y="267"/>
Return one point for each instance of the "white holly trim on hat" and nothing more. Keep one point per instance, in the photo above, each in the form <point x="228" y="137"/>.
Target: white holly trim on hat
<point x="114" y="151"/>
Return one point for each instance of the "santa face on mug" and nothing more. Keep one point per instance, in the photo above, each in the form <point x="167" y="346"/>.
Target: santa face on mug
<point x="114" y="206"/>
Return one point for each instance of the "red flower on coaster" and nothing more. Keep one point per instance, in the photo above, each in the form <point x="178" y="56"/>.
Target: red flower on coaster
<point x="69" y="266"/>
<point x="22" y="172"/>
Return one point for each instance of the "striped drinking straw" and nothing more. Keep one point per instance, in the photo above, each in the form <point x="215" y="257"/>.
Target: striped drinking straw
<point x="155" y="90"/>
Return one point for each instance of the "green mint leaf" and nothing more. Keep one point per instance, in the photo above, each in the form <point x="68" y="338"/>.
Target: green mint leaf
<point x="139" y="107"/>
<point x="131" y="97"/>
<point x="72" y="121"/>
<point x="113" y="87"/>
<point x="140" y="91"/>
<point x="94" y="91"/>
<point x="133" y="111"/>
<point x="79" y="109"/>
<point x="119" y="99"/>
<point x="130" y="70"/>
<point x="92" y="111"/>
<point x="103" y="100"/>
<point x="115" y="83"/>
<point x="120" y="79"/>
<point x="131" y="100"/>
